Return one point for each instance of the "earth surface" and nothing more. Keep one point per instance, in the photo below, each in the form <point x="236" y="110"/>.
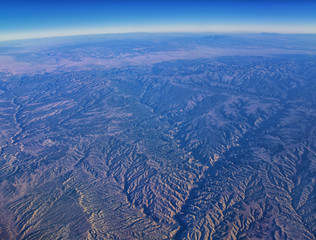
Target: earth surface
<point x="158" y="136"/>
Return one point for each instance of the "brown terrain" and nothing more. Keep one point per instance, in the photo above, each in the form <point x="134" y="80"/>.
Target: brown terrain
<point x="163" y="138"/>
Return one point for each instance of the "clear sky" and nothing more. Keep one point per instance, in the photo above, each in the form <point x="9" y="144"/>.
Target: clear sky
<point x="42" y="18"/>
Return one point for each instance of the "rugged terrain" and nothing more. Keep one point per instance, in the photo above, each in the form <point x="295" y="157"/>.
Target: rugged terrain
<point x="203" y="137"/>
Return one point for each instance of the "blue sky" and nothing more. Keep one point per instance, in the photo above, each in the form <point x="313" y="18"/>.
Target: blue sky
<point x="34" y="18"/>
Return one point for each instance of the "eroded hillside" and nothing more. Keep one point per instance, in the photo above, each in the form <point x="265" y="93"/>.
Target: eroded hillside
<point x="206" y="148"/>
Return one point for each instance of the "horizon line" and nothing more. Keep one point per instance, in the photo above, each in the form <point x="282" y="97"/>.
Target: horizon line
<point x="62" y="34"/>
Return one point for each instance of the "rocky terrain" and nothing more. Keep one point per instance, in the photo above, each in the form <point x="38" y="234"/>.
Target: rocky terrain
<point x="159" y="139"/>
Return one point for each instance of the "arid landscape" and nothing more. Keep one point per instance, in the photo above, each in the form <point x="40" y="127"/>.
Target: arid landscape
<point x="157" y="136"/>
